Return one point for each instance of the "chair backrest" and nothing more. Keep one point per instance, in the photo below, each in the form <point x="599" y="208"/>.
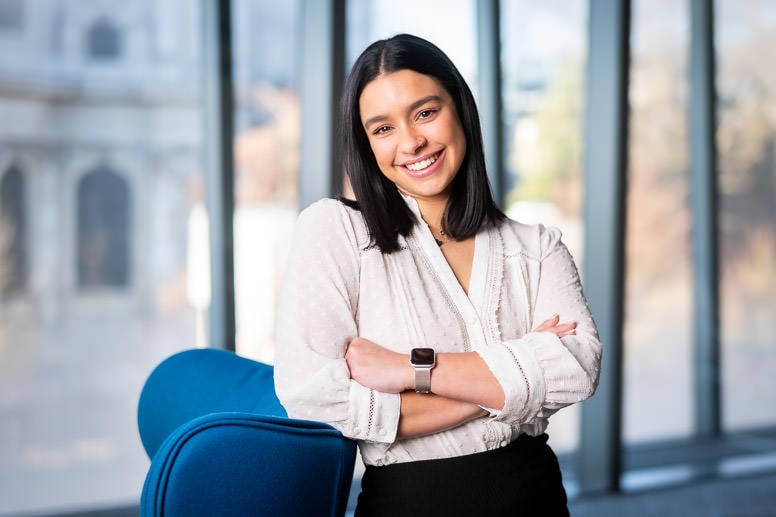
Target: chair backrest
<point x="242" y="464"/>
<point x="196" y="382"/>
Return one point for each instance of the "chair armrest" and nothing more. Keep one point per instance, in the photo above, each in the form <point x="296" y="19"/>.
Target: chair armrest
<point x="249" y="464"/>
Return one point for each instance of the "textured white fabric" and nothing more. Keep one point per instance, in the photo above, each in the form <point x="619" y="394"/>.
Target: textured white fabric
<point x="338" y="287"/>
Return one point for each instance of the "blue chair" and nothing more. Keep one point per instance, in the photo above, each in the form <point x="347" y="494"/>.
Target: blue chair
<point x="220" y="443"/>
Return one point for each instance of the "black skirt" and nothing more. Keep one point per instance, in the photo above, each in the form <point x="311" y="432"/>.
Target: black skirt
<point x="522" y="479"/>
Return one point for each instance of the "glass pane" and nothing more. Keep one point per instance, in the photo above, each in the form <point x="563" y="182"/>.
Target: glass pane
<point x="747" y="185"/>
<point x="100" y="176"/>
<point x="11" y="14"/>
<point x="452" y="30"/>
<point x="657" y="401"/>
<point x="267" y="46"/>
<point x="544" y="48"/>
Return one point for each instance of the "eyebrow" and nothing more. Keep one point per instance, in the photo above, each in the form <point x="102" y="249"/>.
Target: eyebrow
<point x="412" y="107"/>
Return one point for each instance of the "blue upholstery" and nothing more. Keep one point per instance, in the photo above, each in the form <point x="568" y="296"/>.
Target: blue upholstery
<point x="221" y="444"/>
<point x="196" y="382"/>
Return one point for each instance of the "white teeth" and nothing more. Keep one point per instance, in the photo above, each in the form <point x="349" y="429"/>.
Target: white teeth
<point x="417" y="166"/>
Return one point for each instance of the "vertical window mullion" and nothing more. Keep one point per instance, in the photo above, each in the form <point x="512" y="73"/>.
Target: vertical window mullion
<point x="704" y="208"/>
<point x="490" y="105"/>
<point x="323" y="74"/>
<point x="219" y="180"/>
<point x="605" y="161"/>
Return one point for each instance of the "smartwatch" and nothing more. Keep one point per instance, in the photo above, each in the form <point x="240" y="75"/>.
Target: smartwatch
<point x="423" y="360"/>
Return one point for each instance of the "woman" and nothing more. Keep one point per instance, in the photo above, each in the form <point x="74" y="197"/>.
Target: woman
<point x="419" y="320"/>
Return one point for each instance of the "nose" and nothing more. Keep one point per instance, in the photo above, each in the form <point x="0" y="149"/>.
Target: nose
<point x="412" y="142"/>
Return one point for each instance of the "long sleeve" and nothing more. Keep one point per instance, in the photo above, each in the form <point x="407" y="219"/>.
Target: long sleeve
<point x="539" y="371"/>
<point x="317" y="318"/>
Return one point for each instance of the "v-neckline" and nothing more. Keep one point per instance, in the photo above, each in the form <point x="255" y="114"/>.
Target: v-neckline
<point x="466" y="302"/>
<point x="475" y="293"/>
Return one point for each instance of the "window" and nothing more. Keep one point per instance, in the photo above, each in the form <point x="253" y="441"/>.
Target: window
<point x="13" y="233"/>
<point x="103" y="40"/>
<point x="11" y="14"/>
<point x="370" y="20"/>
<point x="103" y="230"/>
<point x="746" y="138"/>
<point x="657" y="379"/>
<point x="109" y="183"/>
<point x="267" y="43"/>
<point x="543" y="57"/>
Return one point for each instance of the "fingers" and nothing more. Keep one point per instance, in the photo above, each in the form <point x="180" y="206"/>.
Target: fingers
<point x="566" y="329"/>
<point x="554" y="326"/>
<point x="548" y="324"/>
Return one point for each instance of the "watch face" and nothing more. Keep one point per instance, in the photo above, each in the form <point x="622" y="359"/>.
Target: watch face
<point x="422" y="356"/>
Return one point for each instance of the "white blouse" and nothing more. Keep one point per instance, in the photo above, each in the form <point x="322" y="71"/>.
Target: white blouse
<point x="338" y="287"/>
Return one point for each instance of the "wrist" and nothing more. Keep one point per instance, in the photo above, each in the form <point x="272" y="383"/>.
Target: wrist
<point x="409" y="377"/>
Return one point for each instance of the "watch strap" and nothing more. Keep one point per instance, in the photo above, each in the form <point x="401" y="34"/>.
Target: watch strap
<point x="422" y="379"/>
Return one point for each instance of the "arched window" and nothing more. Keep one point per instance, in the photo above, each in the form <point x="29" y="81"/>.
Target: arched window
<point x="104" y="248"/>
<point x="103" y="40"/>
<point x="13" y="233"/>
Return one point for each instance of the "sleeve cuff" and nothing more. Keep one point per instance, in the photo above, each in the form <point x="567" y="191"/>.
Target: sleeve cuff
<point x="566" y="380"/>
<point x="521" y="378"/>
<point x="375" y="414"/>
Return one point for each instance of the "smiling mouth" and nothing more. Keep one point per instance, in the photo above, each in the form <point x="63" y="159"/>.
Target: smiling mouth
<point x="423" y="164"/>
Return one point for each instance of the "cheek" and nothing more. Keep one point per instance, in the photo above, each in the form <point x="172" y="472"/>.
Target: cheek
<point x="383" y="153"/>
<point x="462" y="136"/>
<point x="451" y="131"/>
<point x="459" y="136"/>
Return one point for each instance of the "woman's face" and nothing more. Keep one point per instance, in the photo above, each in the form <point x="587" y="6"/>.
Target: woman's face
<point x="415" y="133"/>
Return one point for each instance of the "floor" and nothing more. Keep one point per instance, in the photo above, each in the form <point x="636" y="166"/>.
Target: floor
<point x="731" y="476"/>
<point x="734" y="476"/>
<point x="747" y="496"/>
<point x="753" y="496"/>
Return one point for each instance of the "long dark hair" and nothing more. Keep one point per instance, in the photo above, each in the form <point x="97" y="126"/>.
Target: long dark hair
<point x="386" y="214"/>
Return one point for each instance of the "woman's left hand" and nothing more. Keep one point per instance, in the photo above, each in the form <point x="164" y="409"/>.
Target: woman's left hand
<point x="556" y="327"/>
<point x="378" y="368"/>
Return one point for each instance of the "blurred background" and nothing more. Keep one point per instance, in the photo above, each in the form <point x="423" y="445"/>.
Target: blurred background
<point x="106" y="204"/>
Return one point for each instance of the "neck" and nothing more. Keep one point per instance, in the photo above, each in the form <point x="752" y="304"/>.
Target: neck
<point x="432" y="211"/>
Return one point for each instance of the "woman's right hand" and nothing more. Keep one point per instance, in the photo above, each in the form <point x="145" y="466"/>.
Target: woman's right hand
<point x="378" y="368"/>
<point x="559" y="329"/>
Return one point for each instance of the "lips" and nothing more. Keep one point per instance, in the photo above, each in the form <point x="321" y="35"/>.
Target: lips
<point x="418" y="166"/>
<point x="423" y="166"/>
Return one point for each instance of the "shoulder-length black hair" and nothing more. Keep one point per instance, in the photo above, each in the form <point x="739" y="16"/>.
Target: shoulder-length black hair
<point x="386" y="214"/>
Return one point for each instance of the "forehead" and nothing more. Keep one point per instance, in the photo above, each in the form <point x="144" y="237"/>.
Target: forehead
<point x="397" y="91"/>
